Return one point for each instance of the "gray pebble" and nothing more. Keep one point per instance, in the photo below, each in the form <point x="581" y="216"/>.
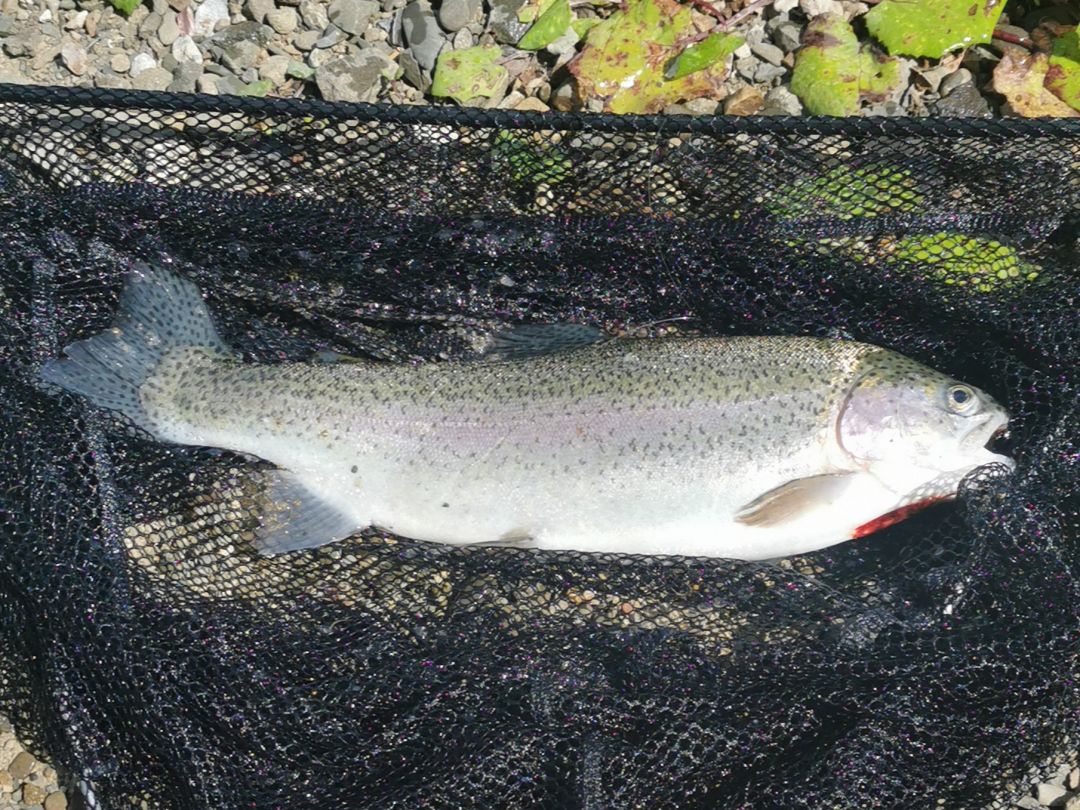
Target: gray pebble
<point x="888" y="109"/>
<point x="208" y="15"/>
<point x="456" y="14"/>
<point x="249" y="75"/>
<point x="320" y="56"/>
<point x="120" y="62"/>
<point x="185" y="77"/>
<point x="7" y="25"/>
<point x="781" y="101"/>
<point x="963" y="101"/>
<point x="283" y="20"/>
<point x="413" y="73"/>
<point x="422" y="33"/>
<point x="314" y="14"/>
<point x="755" y="34"/>
<point x="25" y="43"/>
<point x="462" y="40"/>
<point x="766" y="72"/>
<point x="110" y="81"/>
<point x="503" y="21"/>
<point x="788" y="36"/>
<point x="248" y="30"/>
<point x="184" y="49"/>
<point x="746" y="66"/>
<point x="258" y="9"/>
<point x="150" y="25"/>
<point x="565" y="44"/>
<point x="353" y="77"/>
<point x="240" y="55"/>
<point x="230" y="86"/>
<point x="140" y="62"/>
<point x="1048" y="794"/>
<point x="273" y="69"/>
<point x="156" y="78"/>
<point x="169" y="30"/>
<point x="305" y="40"/>
<point x="954" y="80"/>
<point x="298" y="70"/>
<point x="392" y="5"/>
<point x="74" y="58"/>
<point x="1029" y="803"/>
<point x="352" y="16"/>
<point x="331" y="37"/>
<point x="769" y="52"/>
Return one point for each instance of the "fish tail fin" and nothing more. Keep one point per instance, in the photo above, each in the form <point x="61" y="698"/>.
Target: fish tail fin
<point x="159" y="311"/>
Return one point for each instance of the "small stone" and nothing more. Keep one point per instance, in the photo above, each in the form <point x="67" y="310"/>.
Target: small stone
<point x="91" y="23"/>
<point x="305" y="40"/>
<point x="1072" y="803"/>
<point x="32" y="794"/>
<point x="785" y="6"/>
<point x="25" y="43"/>
<point x="184" y="49"/>
<point x="702" y="106"/>
<point x="120" y="62"/>
<point x="149" y="26"/>
<point x="240" y="55"/>
<point x="746" y="100"/>
<point x="352" y="16"/>
<point x="422" y="33"/>
<point x="45" y="16"/>
<point x="754" y="34"/>
<point x="415" y="75"/>
<point x="769" y="52"/>
<point x="331" y="37"/>
<point x="565" y="44"/>
<point x="814" y="8"/>
<point x="283" y="20"/>
<point x="258" y="9"/>
<point x="462" y="40"/>
<point x="746" y="66"/>
<point x="504" y="23"/>
<point x="249" y="75"/>
<point x="6" y="782"/>
<point x="954" y="80"/>
<point x="888" y="109"/>
<point x="963" y="101"/>
<point x="456" y="14"/>
<point x="74" y="58"/>
<point x="765" y="72"/>
<point x="1048" y="794"/>
<point x="298" y="70"/>
<point x="140" y="62"/>
<point x="56" y="801"/>
<point x="1072" y="781"/>
<point x="743" y="51"/>
<point x="248" y="30"/>
<point x="156" y="78"/>
<point x="314" y="14"/>
<point x="781" y="101"/>
<point x="20" y="767"/>
<point x="531" y="104"/>
<point x="788" y="36"/>
<point x="77" y="20"/>
<point x="564" y="98"/>
<point x="169" y="29"/>
<point x="110" y="81"/>
<point x="208" y="15"/>
<point x="353" y="77"/>
<point x="1029" y="803"/>
<point x="7" y="25"/>
<point x="208" y="84"/>
<point x="185" y="77"/>
<point x="274" y="69"/>
<point x="853" y="9"/>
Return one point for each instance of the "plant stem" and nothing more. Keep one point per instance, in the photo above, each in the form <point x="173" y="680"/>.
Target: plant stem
<point x="742" y="14"/>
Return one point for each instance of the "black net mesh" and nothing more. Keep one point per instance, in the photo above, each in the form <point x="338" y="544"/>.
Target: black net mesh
<point x="152" y="652"/>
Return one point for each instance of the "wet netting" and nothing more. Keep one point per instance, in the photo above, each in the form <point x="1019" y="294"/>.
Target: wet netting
<point x="157" y="657"/>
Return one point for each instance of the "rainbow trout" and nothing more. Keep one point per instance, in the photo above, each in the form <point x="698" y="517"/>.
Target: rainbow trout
<point x="743" y="447"/>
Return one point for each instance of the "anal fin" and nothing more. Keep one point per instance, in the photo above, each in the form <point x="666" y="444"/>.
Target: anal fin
<point x="792" y="499"/>
<point x="296" y="518"/>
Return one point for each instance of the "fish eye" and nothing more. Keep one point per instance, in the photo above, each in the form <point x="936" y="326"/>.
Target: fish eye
<point x="961" y="398"/>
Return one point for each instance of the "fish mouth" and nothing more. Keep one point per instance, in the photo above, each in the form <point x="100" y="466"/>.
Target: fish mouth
<point x="984" y="438"/>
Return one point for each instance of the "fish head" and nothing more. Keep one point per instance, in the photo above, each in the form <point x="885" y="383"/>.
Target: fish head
<point x="915" y="429"/>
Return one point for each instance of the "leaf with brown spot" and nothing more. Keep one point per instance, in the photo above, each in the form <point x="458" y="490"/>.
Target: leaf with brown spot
<point x="1020" y="77"/>
<point x="932" y="27"/>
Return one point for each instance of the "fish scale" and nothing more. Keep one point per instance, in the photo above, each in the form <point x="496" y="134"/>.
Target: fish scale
<point x="748" y="447"/>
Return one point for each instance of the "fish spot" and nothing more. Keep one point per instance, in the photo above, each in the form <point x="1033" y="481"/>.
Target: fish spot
<point x="354" y="468"/>
<point x="446" y="506"/>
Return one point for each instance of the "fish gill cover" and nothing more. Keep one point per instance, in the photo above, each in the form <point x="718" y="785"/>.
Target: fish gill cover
<point x="155" y="655"/>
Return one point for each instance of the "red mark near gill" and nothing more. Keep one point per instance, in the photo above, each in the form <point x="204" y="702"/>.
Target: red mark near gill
<point x="895" y="516"/>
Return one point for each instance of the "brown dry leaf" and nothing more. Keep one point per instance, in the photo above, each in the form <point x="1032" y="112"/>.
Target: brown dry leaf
<point x="1019" y="76"/>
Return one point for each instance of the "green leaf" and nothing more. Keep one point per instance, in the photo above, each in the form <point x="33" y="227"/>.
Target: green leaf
<point x="548" y="27"/>
<point x="983" y="265"/>
<point x="623" y="59"/>
<point x="933" y="27"/>
<point x="125" y="7"/>
<point x="846" y="193"/>
<point x="530" y="159"/>
<point x="583" y="26"/>
<point x="1023" y="78"/>
<point x="1063" y="74"/>
<point x="702" y="54"/>
<point x="257" y="88"/>
<point x="468" y="73"/>
<point x="833" y="72"/>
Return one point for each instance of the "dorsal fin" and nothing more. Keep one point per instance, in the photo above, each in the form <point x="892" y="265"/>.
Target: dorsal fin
<point x="531" y="340"/>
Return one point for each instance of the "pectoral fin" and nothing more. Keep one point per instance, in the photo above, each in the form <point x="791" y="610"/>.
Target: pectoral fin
<point x="791" y="500"/>
<point x="296" y="518"/>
